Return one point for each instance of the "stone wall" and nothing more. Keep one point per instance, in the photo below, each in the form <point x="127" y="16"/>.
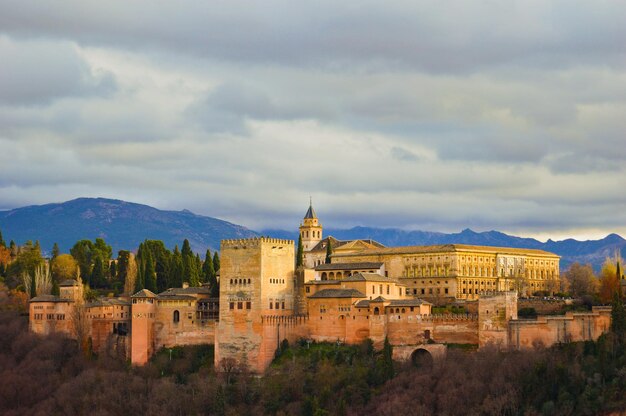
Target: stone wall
<point x="549" y="330"/>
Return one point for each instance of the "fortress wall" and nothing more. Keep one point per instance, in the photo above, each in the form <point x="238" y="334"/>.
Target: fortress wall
<point x="275" y="330"/>
<point x="412" y="329"/>
<point x="549" y="330"/>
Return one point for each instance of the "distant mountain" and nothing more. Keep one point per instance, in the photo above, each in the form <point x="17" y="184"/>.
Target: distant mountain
<point x="123" y="225"/>
<point x="570" y="250"/>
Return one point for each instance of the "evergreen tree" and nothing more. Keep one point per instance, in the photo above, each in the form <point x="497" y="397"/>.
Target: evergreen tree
<point x="207" y="269"/>
<point x="113" y="270"/>
<point x="2" y="243"/>
<point x="176" y="269"/>
<point x="149" y="272"/>
<point x="198" y="267"/>
<point x="388" y="359"/>
<point x="33" y="287"/>
<point x="300" y="253"/>
<point x="55" y="288"/>
<point x="140" y="281"/>
<point x="329" y="252"/>
<point x="618" y="312"/>
<point x="98" y="275"/>
<point x="216" y="262"/>
<point x="55" y="251"/>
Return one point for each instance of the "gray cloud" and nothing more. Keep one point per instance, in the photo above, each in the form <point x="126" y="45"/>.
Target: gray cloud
<point x="440" y="116"/>
<point x="36" y="72"/>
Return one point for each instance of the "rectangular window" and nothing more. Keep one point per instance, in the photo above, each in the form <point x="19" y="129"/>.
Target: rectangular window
<point x="276" y="305"/>
<point x="271" y="305"/>
<point x="231" y="305"/>
<point x="248" y="305"/>
<point x="423" y="291"/>
<point x="239" y="305"/>
<point x="283" y="305"/>
<point x="308" y="289"/>
<point x="446" y="290"/>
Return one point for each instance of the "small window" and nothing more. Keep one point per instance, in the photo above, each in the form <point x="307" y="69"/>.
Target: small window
<point x="248" y="305"/>
<point x="271" y="305"/>
<point x="283" y="305"/>
<point x="176" y="317"/>
<point x="231" y="305"/>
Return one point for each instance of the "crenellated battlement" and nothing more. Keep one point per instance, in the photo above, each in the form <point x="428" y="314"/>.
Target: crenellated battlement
<point x="254" y="242"/>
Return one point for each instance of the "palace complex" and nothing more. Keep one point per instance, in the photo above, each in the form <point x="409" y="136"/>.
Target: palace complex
<point x="347" y="293"/>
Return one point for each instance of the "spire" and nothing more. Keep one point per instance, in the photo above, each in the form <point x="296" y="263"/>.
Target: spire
<point x="310" y="214"/>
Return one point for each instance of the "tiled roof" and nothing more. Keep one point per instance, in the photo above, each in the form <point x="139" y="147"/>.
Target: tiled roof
<point x="408" y="302"/>
<point x="144" y="293"/>
<point x="336" y="244"/>
<point x="323" y="282"/>
<point x="365" y="303"/>
<point x="378" y="299"/>
<point x="369" y="277"/>
<point x="447" y="248"/>
<point x="191" y="290"/>
<point x="176" y="297"/>
<point x="108" y="302"/>
<point x="349" y="266"/>
<point x="49" y="298"/>
<point x="338" y="293"/>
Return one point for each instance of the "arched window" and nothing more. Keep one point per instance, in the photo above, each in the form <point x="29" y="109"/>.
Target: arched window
<point x="376" y="311"/>
<point x="176" y="317"/>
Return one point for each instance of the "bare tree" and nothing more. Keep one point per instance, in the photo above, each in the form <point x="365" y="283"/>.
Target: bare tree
<point x="80" y="320"/>
<point x="43" y="280"/>
<point x="581" y="280"/>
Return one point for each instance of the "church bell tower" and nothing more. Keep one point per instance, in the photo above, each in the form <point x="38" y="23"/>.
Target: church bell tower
<point x="310" y="229"/>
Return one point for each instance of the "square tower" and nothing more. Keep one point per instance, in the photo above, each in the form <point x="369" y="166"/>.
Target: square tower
<point x="256" y="282"/>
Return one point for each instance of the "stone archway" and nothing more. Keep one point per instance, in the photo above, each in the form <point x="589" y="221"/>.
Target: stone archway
<point x="422" y="359"/>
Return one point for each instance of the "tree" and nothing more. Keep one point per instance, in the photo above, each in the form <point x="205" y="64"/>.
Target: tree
<point x="329" y="252"/>
<point x="130" y="274"/>
<point x="176" y="269"/>
<point x="216" y="262"/>
<point x="300" y="253"/>
<point x="63" y="267"/>
<point x="55" y="251"/>
<point x="210" y="275"/>
<point x="149" y="273"/>
<point x="581" y="280"/>
<point x="98" y="274"/>
<point x="43" y="280"/>
<point x="609" y="282"/>
<point x="27" y="259"/>
<point x="2" y="243"/>
<point x="388" y="371"/>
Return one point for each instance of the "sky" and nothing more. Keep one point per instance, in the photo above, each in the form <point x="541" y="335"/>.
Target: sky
<point x="430" y="115"/>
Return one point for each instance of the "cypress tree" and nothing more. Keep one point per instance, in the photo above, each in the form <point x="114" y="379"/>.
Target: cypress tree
<point x="300" y="253"/>
<point x="388" y="359"/>
<point x="329" y="252"/>
<point x="55" y="251"/>
<point x="2" y="243"/>
<point x="198" y="267"/>
<point x="176" y="269"/>
<point x="150" y="273"/>
<point x="209" y="273"/>
<point x="98" y="274"/>
<point x="140" y="280"/>
<point x="216" y="262"/>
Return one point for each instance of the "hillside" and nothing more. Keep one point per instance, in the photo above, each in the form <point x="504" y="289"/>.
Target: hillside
<point x="122" y="224"/>
<point x="570" y="250"/>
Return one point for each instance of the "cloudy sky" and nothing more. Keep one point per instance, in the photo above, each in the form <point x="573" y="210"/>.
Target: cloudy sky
<point x="433" y="115"/>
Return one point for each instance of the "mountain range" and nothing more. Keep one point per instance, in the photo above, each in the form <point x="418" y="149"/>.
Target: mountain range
<point x="124" y="225"/>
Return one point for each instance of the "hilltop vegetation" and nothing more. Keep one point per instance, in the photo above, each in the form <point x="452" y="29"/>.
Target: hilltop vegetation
<point x="48" y="376"/>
